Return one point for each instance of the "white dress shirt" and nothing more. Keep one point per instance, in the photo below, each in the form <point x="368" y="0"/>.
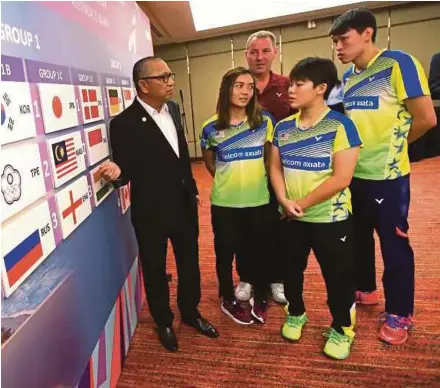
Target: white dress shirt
<point x="165" y="122"/>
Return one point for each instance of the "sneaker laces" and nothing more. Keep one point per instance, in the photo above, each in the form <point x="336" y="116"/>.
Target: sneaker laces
<point x="335" y="337"/>
<point x="295" y="321"/>
<point x="395" y="321"/>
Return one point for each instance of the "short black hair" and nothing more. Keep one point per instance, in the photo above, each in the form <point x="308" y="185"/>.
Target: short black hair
<point x="318" y="70"/>
<point x="358" y="19"/>
<point x="138" y="66"/>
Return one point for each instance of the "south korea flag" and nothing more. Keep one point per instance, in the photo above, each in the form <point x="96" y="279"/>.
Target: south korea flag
<point x="17" y="116"/>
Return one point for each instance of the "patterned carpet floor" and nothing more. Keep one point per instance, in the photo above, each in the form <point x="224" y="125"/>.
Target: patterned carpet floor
<point x="256" y="356"/>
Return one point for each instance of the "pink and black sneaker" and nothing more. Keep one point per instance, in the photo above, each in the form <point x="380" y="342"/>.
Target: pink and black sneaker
<point x="259" y="310"/>
<point x="237" y="312"/>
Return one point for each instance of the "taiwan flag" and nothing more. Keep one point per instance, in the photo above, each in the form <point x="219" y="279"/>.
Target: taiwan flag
<point x="91" y="100"/>
<point x="58" y="106"/>
<point x="97" y="143"/>
<point x="114" y="100"/>
<point x="26" y="241"/>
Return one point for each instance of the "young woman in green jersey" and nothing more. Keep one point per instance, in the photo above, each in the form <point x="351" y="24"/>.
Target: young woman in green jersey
<point x="313" y="156"/>
<point x="233" y="143"/>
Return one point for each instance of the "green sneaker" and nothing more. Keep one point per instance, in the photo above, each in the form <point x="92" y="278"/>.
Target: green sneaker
<point x="291" y="330"/>
<point x="338" y="345"/>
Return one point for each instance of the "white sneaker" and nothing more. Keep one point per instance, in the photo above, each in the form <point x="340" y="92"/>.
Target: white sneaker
<point x="243" y="291"/>
<point x="278" y="292"/>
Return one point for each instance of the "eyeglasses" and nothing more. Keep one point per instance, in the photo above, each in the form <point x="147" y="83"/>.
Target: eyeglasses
<point x="164" y="77"/>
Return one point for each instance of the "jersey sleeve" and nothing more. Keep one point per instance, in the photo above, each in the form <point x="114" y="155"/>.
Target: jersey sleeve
<point x="205" y="139"/>
<point x="275" y="135"/>
<point x="270" y="128"/>
<point x="409" y="78"/>
<point x="347" y="136"/>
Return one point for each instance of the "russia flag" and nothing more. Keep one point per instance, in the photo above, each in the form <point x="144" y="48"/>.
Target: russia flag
<point x="23" y="256"/>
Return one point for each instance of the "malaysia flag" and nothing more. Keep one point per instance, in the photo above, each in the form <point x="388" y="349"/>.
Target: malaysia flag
<point x="91" y="100"/>
<point x="67" y="157"/>
<point x="58" y="106"/>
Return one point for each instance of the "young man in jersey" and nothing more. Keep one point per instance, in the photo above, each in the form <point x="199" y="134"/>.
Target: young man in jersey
<point x="314" y="153"/>
<point x="387" y="96"/>
<point x="233" y="143"/>
<point x="272" y="93"/>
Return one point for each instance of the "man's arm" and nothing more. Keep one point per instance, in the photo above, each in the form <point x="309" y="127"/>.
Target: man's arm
<point x="209" y="158"/>
<point x="117" y="170"/>
<point x="423" y="116"/>
<point x="344" y="163"/>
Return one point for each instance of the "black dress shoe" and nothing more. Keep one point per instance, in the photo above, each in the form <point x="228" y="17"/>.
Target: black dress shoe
<point x="203" y="326"/>
<point x="167" y="338"/>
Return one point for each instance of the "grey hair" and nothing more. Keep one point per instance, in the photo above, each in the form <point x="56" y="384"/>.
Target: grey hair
<point x="262" y="35"/>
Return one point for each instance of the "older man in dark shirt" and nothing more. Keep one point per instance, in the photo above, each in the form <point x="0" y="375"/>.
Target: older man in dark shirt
<point x="273" y="96"/>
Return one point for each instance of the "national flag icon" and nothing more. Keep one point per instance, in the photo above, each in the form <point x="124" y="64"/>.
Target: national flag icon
<point x="67" y="155"/>
<point x="73" y="205"/>
<point x="114" y="100"/>
<point x="17" y="118"/>
<point x="101" y="187"/>
<point x="3" y="114"/>
<point x="22" y="178"/>
<point x="58" y="106"/>
<point x="128" y="96"/>
<point x="26" y="242"/>
<point x="124" y="196"/>
<point x="97" y="143"/>
<point x="91" y="99"/>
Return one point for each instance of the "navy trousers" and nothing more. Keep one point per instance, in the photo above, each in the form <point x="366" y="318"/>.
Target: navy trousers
<point x="382" y="206"/>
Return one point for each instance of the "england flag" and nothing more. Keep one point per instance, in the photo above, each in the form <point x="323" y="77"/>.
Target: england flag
<point x="73" y="205"/>
<point x="58" y="106"/>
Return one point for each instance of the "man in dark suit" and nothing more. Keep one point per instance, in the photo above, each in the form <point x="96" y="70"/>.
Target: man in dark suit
<point x="149" y="150"/>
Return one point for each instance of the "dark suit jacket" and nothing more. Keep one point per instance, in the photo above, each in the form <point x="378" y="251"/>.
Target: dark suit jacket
<point x="162" y="184"/>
